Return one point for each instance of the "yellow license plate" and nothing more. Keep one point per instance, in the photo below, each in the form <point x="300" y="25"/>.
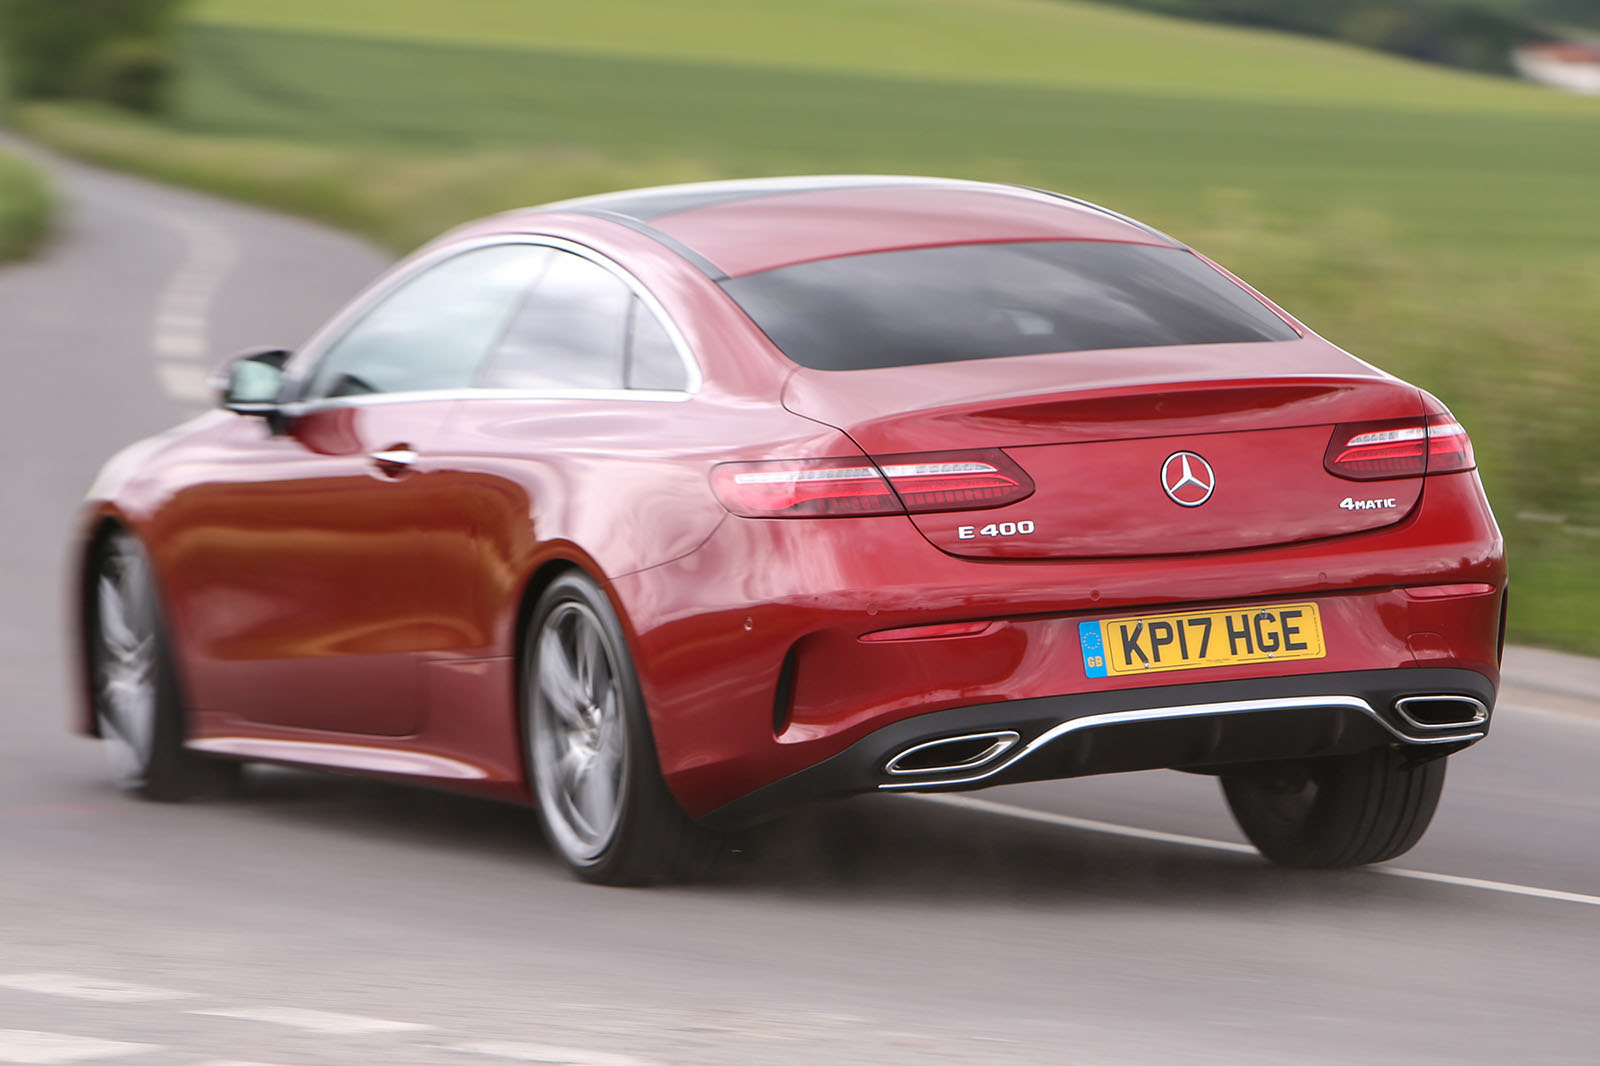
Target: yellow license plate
<point x="1191" y="639"/>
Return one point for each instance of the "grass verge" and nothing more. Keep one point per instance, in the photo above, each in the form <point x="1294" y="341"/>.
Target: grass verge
<point x="398" y="199"/>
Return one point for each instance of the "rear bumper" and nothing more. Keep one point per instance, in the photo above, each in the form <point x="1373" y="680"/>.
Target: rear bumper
<point x="1195" y="726"/>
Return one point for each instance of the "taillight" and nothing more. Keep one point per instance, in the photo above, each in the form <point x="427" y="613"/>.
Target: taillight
<point x="955" y="481"/>
<point x="894" y="484"/>
<point x="1404" y="447"/>
<point x="1449" y="447"/>
<point x="804" y="487"/>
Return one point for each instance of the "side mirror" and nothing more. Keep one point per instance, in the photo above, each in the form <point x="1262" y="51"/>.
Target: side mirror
<point x="251" y="381"/>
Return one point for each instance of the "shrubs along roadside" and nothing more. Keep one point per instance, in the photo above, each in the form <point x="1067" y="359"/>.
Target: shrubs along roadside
<point x="26" y="207"/>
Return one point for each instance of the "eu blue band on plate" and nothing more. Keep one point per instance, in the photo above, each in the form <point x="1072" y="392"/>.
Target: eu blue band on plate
<point x="1094" y="652"/>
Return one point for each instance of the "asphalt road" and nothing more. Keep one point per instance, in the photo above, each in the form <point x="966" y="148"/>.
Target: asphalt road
<point x="331" y="920"/>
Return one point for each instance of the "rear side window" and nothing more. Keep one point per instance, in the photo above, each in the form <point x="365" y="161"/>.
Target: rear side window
<point x="570" y="333"/>
<point x="985" y="301"/>
<point x="582" y="327"/>
<point x="652" y="360"/>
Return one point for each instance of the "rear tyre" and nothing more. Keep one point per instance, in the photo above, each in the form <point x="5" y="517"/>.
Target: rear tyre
<point x="136" y="700"/>
<point x="604" y="807"/>
<point x="1342" y="810"/>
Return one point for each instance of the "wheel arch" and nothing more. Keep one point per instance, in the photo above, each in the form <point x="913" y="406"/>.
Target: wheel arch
<point x="544" y="574"/>
<point x="540" y="578"/>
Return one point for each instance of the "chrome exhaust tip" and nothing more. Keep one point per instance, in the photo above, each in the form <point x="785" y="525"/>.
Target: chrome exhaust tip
<point x="950" y="754"/>
<point x="1441" y="712"/>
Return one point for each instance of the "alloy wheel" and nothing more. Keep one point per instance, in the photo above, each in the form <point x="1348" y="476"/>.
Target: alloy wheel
<point x="579" y="735"/>
<point x="126" y="660"/>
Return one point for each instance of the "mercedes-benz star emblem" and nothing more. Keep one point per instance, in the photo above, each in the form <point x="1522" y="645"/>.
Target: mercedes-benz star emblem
<point x="1188" y="479"/>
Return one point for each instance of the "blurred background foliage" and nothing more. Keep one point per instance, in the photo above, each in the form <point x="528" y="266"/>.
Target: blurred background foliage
<point x="118" y="51"/>
<point x="1478" y="34"/>
<point x="1441" y="223"/>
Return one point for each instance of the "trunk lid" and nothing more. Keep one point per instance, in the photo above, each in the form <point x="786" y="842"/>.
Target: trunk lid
<point x="1237" y="433"/>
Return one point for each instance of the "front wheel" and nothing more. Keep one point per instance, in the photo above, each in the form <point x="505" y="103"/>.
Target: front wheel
<point x="137" y="707"/>
<point x="1341" y="810"/>
<point x="602" y="802"/>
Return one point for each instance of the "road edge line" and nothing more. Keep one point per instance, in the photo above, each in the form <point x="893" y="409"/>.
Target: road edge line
<point x="1091" y="825"/>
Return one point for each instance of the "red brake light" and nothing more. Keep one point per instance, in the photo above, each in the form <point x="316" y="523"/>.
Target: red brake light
<point x="1449" y="447"/>
<point x="894" y="484"/>
<point x="1405" y="447"/>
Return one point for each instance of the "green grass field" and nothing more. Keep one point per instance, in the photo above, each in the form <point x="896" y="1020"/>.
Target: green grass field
<point x="1441" y="224"/>
<point x="1051" y="43"/>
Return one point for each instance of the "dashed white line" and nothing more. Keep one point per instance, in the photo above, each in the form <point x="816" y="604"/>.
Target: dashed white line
<point x="1113" y="829"/>
<point x="565" y="1056"/>
<point x="178" y="337"/>
<point x="91" y="988"/>
<point x="28" y="1047"/>
<point x="316" y="1021"/>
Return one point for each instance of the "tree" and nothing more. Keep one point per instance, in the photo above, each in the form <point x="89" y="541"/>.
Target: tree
<point x="114" y="50"/>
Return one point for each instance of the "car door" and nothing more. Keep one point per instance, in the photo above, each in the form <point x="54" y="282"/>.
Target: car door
<point x="554" y="406"/>
<point x="301" y="573"/>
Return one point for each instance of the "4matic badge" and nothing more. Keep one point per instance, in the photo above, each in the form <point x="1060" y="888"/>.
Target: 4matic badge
<point x="1350" y="503"/>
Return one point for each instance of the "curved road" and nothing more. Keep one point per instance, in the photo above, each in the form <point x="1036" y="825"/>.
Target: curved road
<point x="330" y="920"/>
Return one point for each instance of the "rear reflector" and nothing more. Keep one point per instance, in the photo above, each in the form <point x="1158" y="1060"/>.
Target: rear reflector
<point x="938" y="629"/>
<point x="1444" y="592"/>
<point x="1408" y="447"/>
<point x="895" y="484"/>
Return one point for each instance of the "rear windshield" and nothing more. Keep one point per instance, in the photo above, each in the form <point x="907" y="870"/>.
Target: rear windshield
<point x="984" y="301"/>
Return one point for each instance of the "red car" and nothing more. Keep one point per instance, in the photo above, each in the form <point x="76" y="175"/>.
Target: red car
<point x="668" y="510"/>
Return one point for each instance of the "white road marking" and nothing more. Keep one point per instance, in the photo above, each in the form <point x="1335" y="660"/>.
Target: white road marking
<point x="316" y="1021"/>
<point x="230" y="1062"/>
<point x="1028" y="814"/>
<point x="92" y="988"/>
<point x="184" y="381"/>
<point x="566" y="1056"/>
<point x="30" y="1048"/>
<point x="181" y="323"/>
<point x="1488" y="886"/>
<point x="1113" y="829"/>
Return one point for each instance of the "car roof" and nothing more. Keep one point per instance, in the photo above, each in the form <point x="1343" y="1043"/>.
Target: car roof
<point x="731" y="228"/>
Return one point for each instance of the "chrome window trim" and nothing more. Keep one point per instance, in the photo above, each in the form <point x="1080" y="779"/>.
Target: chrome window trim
<point x="375" y="399"/>
<point x="1194" y="710"/>
<point x="301" y="367"/>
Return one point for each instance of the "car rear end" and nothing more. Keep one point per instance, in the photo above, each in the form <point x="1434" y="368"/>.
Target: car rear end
<point x="1105" y="510"/>
<point x="964" y="647"/>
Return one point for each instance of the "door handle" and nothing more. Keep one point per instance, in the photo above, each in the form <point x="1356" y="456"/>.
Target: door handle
<point x="394" y="460"/>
